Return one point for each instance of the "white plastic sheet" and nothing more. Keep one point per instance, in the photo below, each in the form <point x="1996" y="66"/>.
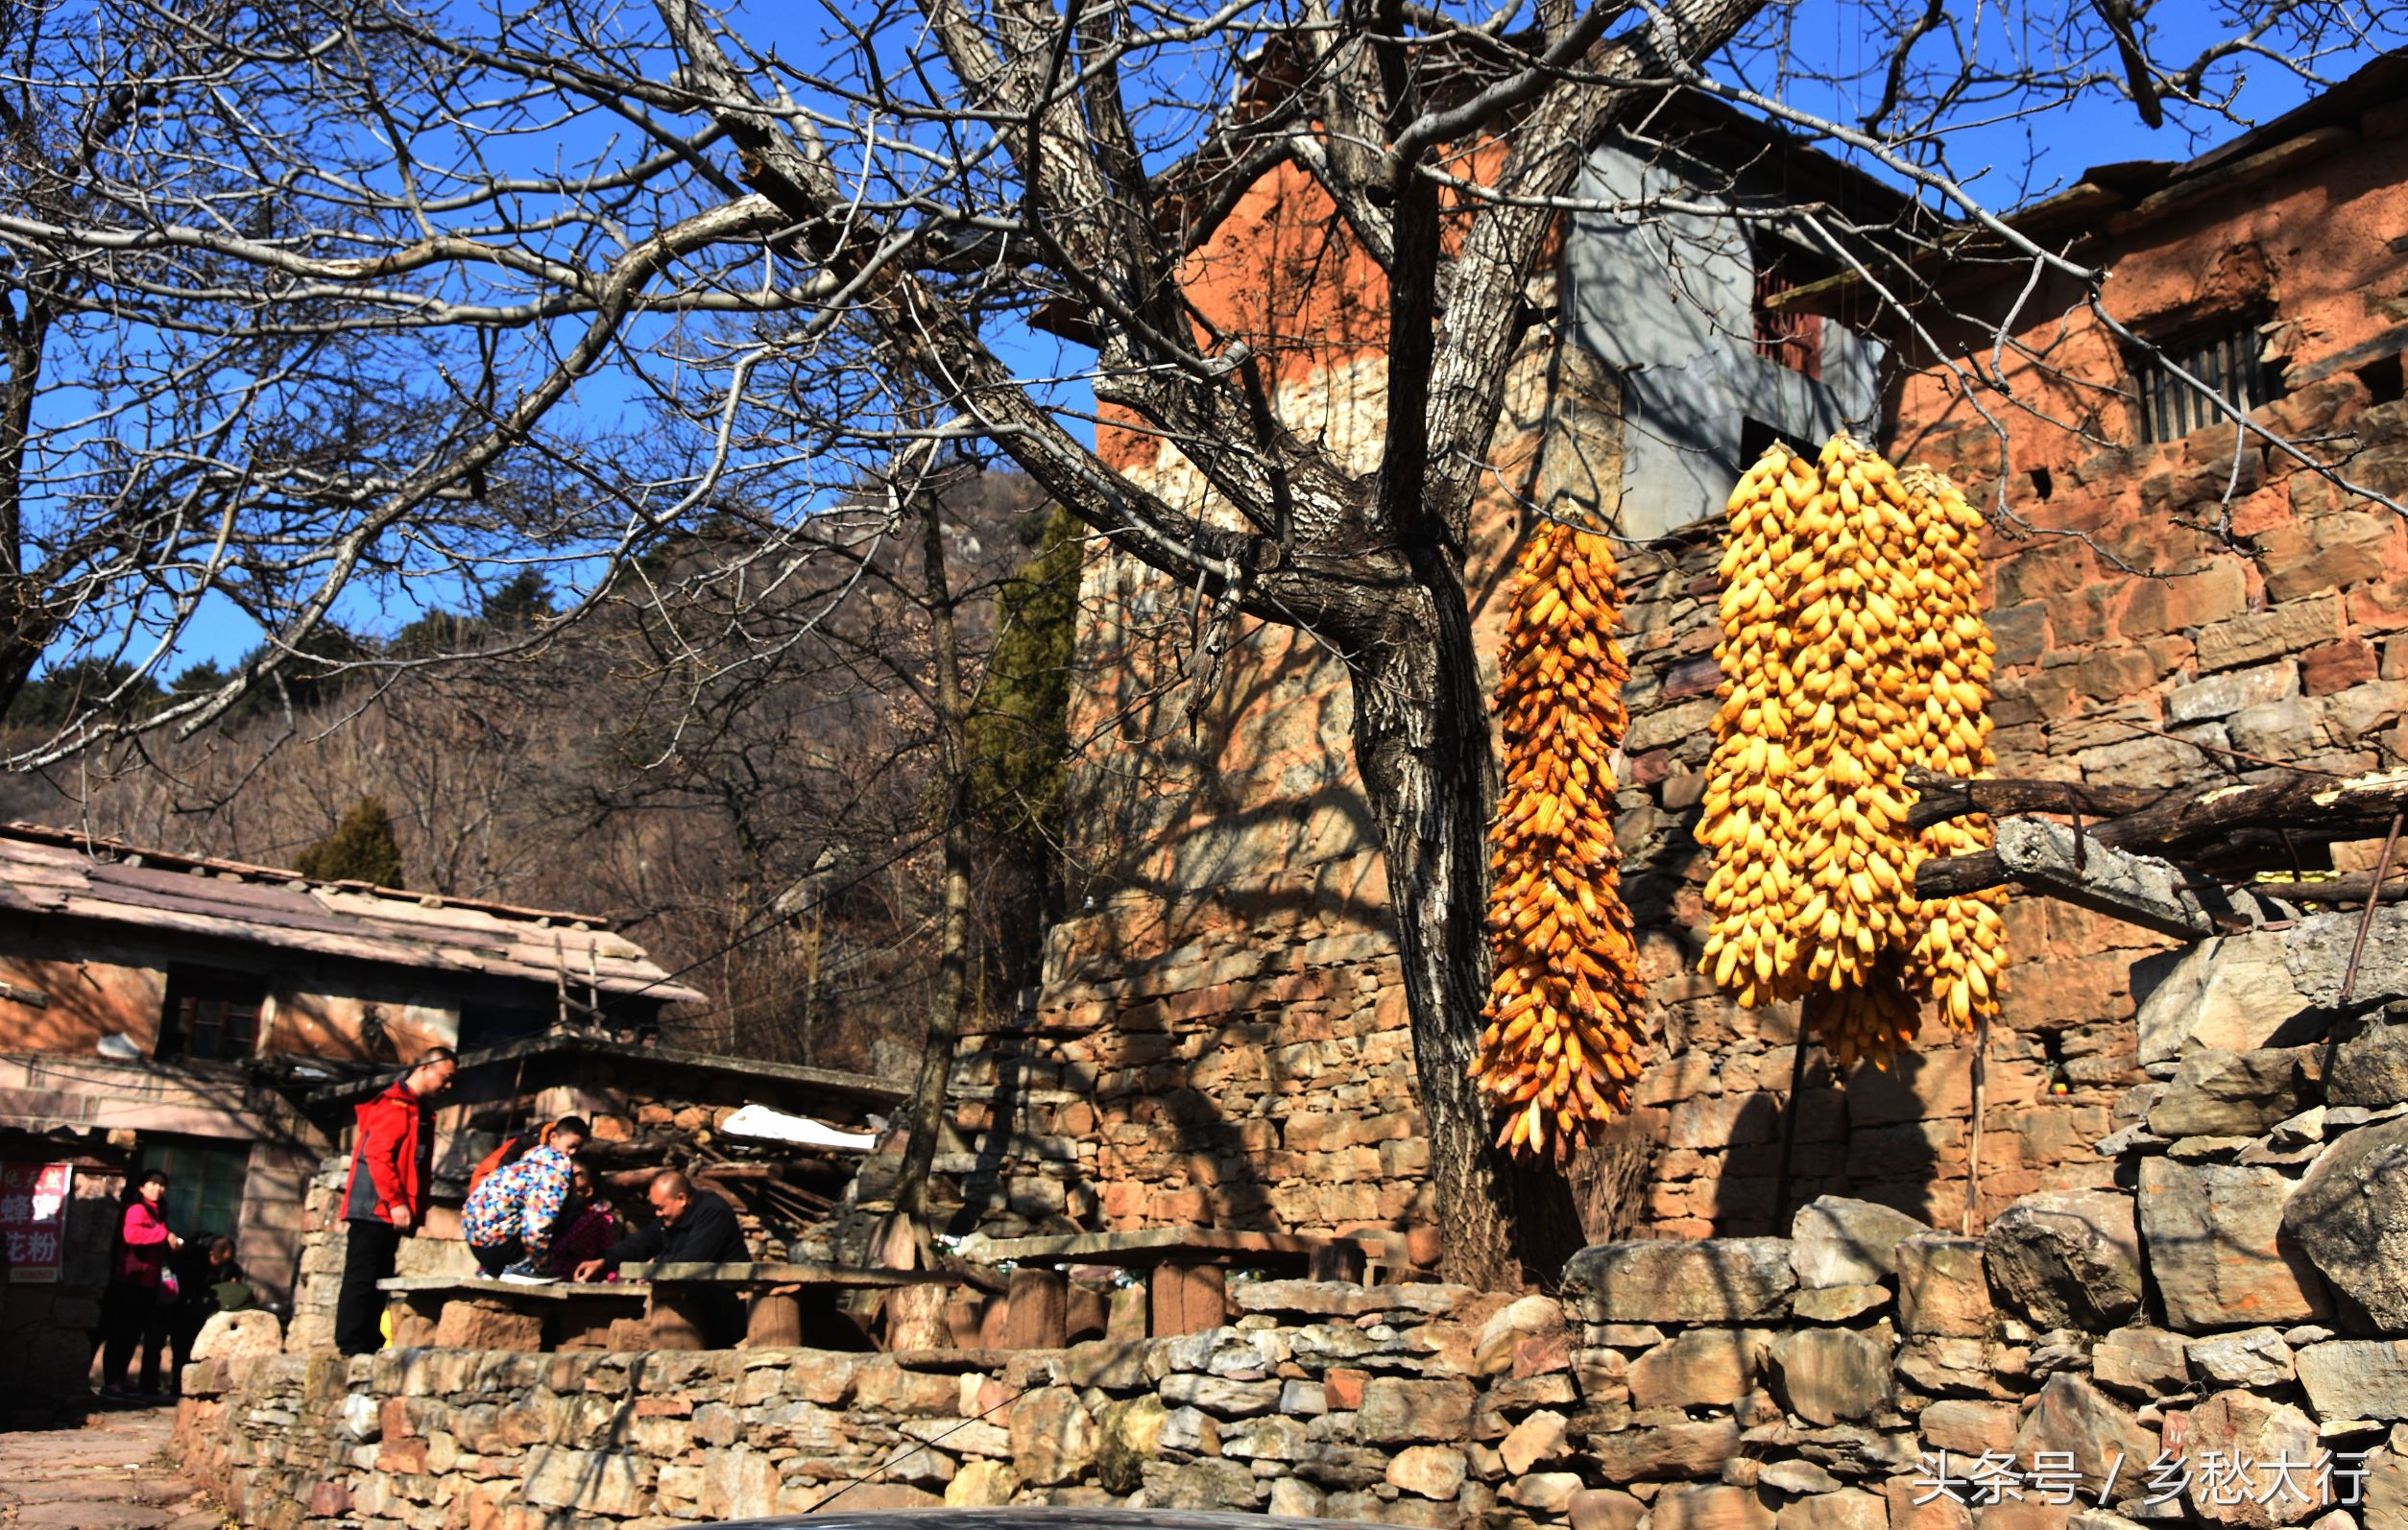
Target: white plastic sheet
<point x="763" y="1124"/>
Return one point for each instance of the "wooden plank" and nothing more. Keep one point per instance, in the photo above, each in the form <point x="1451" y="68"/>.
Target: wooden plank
<point x="107" y="876"/>
<point x="473" y="1285"/>
<point x="1187" y="1298"/>
<point x="229" y="927"/>
<point x="1156" y="1244"/>
<point x="751" y="1275"/>
<point x="2226" y="179"/>
<point x="828" y="1085"/>
<point x="1039" y="1306"/>
<point x="196" y="899"/>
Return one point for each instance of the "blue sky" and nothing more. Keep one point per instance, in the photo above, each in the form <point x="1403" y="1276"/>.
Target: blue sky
<point x="2005" y="161"/>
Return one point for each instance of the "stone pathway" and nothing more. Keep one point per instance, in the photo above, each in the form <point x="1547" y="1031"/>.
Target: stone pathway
<point x="112" y="1474"/>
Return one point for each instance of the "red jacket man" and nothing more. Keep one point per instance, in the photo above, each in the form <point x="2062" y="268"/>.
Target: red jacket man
<point x="385" y="1195"/>
<point x="387" y="1145"/>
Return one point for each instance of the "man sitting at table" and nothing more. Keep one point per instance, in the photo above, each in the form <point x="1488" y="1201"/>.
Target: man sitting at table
<point x="690" y="1226"/>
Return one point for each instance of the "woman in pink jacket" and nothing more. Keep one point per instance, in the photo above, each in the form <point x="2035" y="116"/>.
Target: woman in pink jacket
<point x="135" y="1308"/>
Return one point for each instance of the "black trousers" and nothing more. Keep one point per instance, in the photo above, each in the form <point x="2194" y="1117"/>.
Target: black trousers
<point x="359" y="1308"/>
<point x="132" y="1316"/>
<point x="500" y="1257"/>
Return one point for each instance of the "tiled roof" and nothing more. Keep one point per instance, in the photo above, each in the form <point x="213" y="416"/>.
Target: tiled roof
<point x="62" y="872"/>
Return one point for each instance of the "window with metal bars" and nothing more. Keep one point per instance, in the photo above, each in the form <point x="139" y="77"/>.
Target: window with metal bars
<point x="1784" y="336"/>
<point x="212" y="1017"/>
<point x="2227" y="358"/>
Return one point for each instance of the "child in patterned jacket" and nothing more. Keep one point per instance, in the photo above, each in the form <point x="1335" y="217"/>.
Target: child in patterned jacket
<point x="514" y="1212"/>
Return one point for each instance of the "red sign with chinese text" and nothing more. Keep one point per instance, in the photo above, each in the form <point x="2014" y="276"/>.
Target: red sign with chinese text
<point x="33" y="1218"/>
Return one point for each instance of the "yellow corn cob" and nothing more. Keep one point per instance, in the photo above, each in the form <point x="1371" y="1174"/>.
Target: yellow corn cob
<point x="1852" y="649"/>
<point x="1564" y="1033"/>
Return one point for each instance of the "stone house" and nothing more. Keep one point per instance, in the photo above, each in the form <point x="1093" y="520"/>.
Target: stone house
<point x="1220" y="1037"/>
<point x="178" y="1012"/>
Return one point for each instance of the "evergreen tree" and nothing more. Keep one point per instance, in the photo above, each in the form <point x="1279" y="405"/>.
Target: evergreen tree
<point x="361" y="848"/>
<point x="1020" y="735"/>
<point x="49" y="700"/>
<point x="520" y="603"/>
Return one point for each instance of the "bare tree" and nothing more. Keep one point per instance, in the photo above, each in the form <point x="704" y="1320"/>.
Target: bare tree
<point x="762" y="232"/>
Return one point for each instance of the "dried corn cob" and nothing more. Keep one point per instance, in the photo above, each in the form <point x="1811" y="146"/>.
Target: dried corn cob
<point x="1850" y="639"/>
<point x="1962" y="949"/>
<point x="1563" y="1036"/>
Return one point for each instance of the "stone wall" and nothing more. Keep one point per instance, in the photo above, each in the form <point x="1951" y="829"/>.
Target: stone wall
<point x="1221" y="1027"/>
<point x="2235" y="1298"/>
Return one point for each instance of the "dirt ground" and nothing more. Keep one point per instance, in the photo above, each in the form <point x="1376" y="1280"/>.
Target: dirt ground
<point x="110" y="1474"/>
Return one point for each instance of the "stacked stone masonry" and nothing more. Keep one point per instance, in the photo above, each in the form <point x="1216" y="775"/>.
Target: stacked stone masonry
<point x="2230" y="1302"/>
<point x="2185" y="608"/>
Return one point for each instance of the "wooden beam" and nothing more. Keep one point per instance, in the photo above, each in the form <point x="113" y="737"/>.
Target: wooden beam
<point x="2198" y="822"/>
<point x="2343" y="887"/>
<point x="2136" y="889"/>
<point x="1940" y="798"/>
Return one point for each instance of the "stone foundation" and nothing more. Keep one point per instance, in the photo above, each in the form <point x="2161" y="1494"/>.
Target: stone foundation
<point x="2238" y="1302"/>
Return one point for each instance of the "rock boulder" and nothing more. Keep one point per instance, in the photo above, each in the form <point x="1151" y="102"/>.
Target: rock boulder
<point x="1669" y="1281"/>
<point x="2356" y="1378"/>
<point x="239" y="1336"/>
<point x="2351" y="1217"/>
<point x="2073" y="1416"/>
<point x="1836" y="1241"/>
<point x="2218" y="1250"/>
<point x="2230" y="993"/>
<point x="2249" y="1431"/>
<point x="2238" y="1093"/>
<point x="2068" y="1258"/>
<point x="1826" y="1374"/>
<point x="2372" y="1067"/>
<point x="1942" y="1289"/>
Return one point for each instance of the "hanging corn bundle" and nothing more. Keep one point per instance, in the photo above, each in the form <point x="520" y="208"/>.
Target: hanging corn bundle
<point x="1563" y="1035"/>
<point x="1962" y="949"/>
<point x="1845" y="610"/>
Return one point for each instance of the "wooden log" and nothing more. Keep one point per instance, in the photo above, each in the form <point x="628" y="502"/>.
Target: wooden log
<point x="484" y="1324"/>
<point x="2138" y="889"/>
<point x="916" y="1318"/>
<point x="1188" y="1298"/>
<point x="677" y="1323"/>
<point x="2184" y="824"/>
<point x="775" y="1321"/>
<point x="2347" y="887"/>
<point x="1038" y="1305"/>
<point x="415" y="1320"/>
<point x="1336" y="1261"/>
<point x="964" y="1318"/>
<point x="1940" y="798"/>
<point x="588" y="1325"/>
<point x="1089" y="1316"/>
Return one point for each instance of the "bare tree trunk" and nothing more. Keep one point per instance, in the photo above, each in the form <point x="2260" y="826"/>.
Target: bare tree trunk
<point x="1421" y="741"/>
<point x="26" y="628"/>
<point x="926" y="1107"/>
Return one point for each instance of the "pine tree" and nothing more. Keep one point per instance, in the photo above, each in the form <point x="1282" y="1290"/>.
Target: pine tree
<point x="1020" y="735"/>
<point x="361" y="848"/>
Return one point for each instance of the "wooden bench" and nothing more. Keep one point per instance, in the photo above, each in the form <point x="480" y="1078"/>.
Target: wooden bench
<point x="471" y="1312"/>
<point x="779" y="1295"/>
<point x="1186" y="1273"/>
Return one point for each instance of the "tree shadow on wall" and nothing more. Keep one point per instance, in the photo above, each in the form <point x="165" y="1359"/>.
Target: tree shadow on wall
<point x="1862" y="1136"/>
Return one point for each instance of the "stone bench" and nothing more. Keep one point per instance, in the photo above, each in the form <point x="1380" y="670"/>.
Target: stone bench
<point x="470" y="1312"/>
